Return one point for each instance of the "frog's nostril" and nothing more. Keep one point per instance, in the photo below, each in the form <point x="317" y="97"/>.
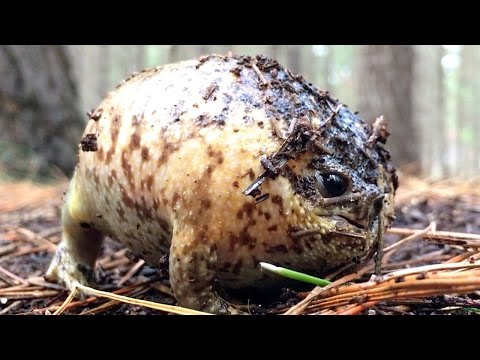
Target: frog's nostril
<point x="378" y="204"/>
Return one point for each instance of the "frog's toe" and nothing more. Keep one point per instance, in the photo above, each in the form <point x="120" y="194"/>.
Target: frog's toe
<point x="68" y="272"/>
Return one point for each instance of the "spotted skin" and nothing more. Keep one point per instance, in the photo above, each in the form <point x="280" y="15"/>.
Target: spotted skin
<point x="176" y="146"/>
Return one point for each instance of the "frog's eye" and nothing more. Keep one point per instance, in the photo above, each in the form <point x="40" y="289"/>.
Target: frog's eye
<point x="331" y="184"/>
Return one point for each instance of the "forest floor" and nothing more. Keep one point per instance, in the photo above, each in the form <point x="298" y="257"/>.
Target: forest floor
<point x="431" y="262"/>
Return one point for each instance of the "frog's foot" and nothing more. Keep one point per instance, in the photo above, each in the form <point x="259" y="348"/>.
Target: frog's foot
<point x="192" y="268"/>
<point x="67" y="271"/>
<point x="234" y="307"/>
<point x="238" y="309"/>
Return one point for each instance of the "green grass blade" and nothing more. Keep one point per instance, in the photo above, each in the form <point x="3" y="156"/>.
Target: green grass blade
<point x="295" y="275"/>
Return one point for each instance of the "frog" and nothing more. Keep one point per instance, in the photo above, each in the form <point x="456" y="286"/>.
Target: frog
<point x="217" y="164"/>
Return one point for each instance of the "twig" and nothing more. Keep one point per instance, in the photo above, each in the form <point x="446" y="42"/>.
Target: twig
<point x="358" y="308"/>
<point x="12" y="306"/>
<point x="332" y="115"/>
<point x="25" y="251"/>
<point x="263" y="81"/>
<point x="131" y="272"/>
<point x="162" y="288"/>
<point x="418" y="288"/>
<point x="30" y="236"/>
<point x="39" y="281"/>
<point x="423" y="269"/>
<point x="13" y="276"/>
<point x="112" y="303"/>
<point x="417" y="234"/>
<point x="92" y="299"/>
<point x="457" y="235"/>
<point x="7" y="249"/>
<point x="302" y="305"/>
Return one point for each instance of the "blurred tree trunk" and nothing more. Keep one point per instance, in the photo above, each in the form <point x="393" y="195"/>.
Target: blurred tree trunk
<point x="468" y="116"/>
<point x="384" y="88"/>
<point x="476" y="119"/>
<point x="428" y="108"/>
<point x="140" y="51"/>
<point x="39" y="103"/>
<point x="294" y="58"/>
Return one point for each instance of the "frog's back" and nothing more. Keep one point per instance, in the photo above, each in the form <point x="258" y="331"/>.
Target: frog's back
<point x="183" y="136"/>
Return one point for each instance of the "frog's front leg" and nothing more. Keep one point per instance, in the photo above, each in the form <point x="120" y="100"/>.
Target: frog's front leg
<point x="75" y="257"/>
<point x="193" y="263"/>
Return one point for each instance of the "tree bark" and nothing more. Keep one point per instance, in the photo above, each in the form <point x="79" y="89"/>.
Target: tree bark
<point x="384" y="87"/>
<point x="39" y="103"/>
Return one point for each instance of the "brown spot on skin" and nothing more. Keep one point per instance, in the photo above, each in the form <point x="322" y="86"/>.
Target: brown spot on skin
<point x="202" y="237"/>
<point x="114" y="131"/>
<point x="95" y="177"/>
<point x="135" y="141"/>
<point x="89" y="143"/>
<point x="175" y="199"/>
<point x="250" y="173"/>
<point x="248" y="209"/>
<point x="168" y="149"/>
<point x="236" y="184"/>
<point x="260" y="124"/>
<point x="114" y="174"/>
<point x="277" y="200"/>
<point x="243" y="239"/>
<point x="205" y="203"/>
<point x="127" y="170"/>
<point x="272" y="228"/>
<point x="145" y="154"/>
<point x="149" y="182"/>
<point x="215" y="154"/>
<point x="267" y="216"/>
<point x="109" y="154"/>
<point x="113" y="135"/>
<point x="100" y="154"/>
<point x="126" y="200"/>
<point x="136" y="120"/>
<point x="276" y="249"/>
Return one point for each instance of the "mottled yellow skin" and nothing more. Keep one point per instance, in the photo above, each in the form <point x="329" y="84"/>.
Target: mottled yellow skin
<point x="175" y="148"/>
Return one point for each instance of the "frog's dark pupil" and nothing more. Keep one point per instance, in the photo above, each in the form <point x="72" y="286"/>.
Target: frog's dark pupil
<point x="334" y="184"/>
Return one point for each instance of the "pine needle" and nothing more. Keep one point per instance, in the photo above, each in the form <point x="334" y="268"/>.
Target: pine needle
<point x="149" y="304"/>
